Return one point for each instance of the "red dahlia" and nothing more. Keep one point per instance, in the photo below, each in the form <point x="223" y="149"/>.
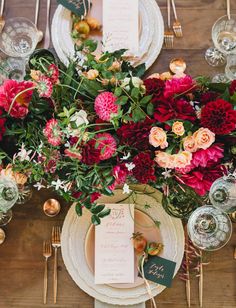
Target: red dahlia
<point x="144" y="170"/>
<point x="135" y="134"/>
<point x="219" y="117"/>
<point x="232" y="87"/>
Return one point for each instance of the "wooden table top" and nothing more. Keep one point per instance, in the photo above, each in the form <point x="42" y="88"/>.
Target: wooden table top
<point x="21" y="261"/>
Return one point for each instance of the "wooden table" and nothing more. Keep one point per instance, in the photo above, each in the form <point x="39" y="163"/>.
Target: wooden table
<point x="21" y="261"/>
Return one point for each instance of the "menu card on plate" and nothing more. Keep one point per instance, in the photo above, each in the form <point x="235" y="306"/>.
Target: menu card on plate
<point x="114" y="252"/>
<point x="79" y="7"/>
<point x="121" y="25"/>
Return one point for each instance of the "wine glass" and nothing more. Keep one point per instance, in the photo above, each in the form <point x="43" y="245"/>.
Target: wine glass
<point x="19" y="37"/>
<point x="8" y="197"/>
<point x="209" y="228"/>
<point x="214" y="57"/>
<point x="12" y="68"/>
<point x="223" y="193"/>
<point x="230" y="69"/>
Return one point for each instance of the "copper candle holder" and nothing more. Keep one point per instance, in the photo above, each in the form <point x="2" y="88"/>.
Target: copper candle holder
<point x="51" y="207"/>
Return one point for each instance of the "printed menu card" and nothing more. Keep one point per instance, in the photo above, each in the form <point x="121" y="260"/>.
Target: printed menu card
<point x="114" y="252"/>
<point x="121" y="25"/>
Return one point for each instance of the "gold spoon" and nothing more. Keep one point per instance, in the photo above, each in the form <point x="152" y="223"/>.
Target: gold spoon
<point x="40" y="33"/>
<point x="2" y="20"/>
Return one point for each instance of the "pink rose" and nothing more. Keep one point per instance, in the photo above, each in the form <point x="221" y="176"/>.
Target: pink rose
<point x="158" y="138"/>
<point x="189" y="144"/>
<point x="204" y="138"/>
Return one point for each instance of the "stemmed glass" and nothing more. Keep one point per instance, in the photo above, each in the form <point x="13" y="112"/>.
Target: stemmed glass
<point x="8" y="197"/>
<point x="209" y="228"/>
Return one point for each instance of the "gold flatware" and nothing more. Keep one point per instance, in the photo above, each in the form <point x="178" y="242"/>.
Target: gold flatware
<point x="187" y="283"/>
<point x="47" y="32"/>
<point x="56" y="243"/>
<point x="47" y="252"/>
<point x="168" y="34"/>
<point x="234" y="252"/>
<point x="200" y="293"/>
<point x="40" y="33"/>
<point x="176" y="25"/>
<point x="2" y="20"/>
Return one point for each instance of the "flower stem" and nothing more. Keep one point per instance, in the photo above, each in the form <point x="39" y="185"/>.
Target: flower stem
<point x="20" y="93"/>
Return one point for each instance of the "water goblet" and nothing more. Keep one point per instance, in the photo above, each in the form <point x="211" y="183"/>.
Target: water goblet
<point x="209" y="228"/>
<point x="214" y="57"/>
<point x="12" y="68"/>
<point x="223" y="193"/>
<point x="19" y="37"/>
<point x="8" y="197"/>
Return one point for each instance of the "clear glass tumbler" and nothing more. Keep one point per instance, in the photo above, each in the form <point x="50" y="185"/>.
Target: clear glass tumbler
<point x="19" y="37"/>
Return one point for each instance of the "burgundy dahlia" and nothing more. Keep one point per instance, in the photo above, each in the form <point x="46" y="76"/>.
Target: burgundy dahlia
<point x="144" y="170"/>
<point x="154" y="87"/>
<point x="168" y="109"/>
<point x="90" y="155"/>
<point x="135" y="134"/>
<point x="208" y="97"/>
<point x="219" y="117"/>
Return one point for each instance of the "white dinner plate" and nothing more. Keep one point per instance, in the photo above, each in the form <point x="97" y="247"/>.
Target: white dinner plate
<point x="73" y="241"/>
<point x="152" y="29"/>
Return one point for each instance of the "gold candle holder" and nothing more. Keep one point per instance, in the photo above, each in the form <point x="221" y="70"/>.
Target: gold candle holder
<point x="178" y="66"/>
<point x="2" y="236"/>
<point x="51" y="207"/>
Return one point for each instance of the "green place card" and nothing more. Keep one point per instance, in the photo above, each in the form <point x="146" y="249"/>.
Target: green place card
<point x="159" y="270"/>
<point x="79" y="7"/>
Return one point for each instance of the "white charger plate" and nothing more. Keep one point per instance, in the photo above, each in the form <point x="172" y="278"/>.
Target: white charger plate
<point x="73" y="237"/>
<point x="151" y="19"/>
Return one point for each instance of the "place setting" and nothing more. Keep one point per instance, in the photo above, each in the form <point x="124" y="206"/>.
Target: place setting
<point x="142" y="161"/>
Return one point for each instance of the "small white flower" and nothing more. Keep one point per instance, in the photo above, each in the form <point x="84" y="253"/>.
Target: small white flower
<point x="167" y="174"/>
<point x="126" y="189"/>
<point x="126" y="156"/>
<point x="58" y="184"/>
<point x="23" y="154"/>
<point x="80" y="118"/>
<point x="39" y="186"/>
<point x="137" y="82"/>
<point x="67" y="144"/>
<point x="130" y="166"/>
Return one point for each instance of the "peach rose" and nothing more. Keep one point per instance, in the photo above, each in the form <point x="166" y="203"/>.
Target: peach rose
<point x="178" y="128"/>
<point x="92" y="74"/>
<point x="155" y="75"/>
<point x="204" y="138"/>
<point x="157" y="138"/>
<point x="182" y="159"/>
<point x="189" y="144"/>
<point x="164" y="160"/>
<point x="115" y="67"/>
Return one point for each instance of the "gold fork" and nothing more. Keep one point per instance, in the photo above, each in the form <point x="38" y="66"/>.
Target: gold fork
<point x="176" y="24"/>
<point x="47" y="252"/>
<point x="2" y="20"/>
<point x="56" y="243"/>
<point x="168" y="35"/>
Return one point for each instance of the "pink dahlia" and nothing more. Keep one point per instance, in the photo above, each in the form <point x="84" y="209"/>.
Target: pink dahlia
<point x="53" y="73"/>
<point x="201" y="180"/>
<point x="106" y="145"/>
<point x="105" y="106"/>
<point x="44" y="86"/>
<point x="205" y="158"/>
<point x="52" y="132"/>
<point x="179" y="85"/>
<point x="9" y="90"/>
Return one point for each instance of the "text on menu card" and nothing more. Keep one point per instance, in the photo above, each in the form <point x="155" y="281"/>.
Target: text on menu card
<point x="121" y="25"/>
<point x="114" y="252"/>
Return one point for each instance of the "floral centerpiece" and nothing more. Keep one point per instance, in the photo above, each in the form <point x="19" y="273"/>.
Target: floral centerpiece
<point x="87" y="128"/>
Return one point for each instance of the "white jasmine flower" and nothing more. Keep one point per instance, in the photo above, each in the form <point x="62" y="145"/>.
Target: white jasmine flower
<point x="23" y="154"/>
<point x="39" y="186"/>
<point x="126" y="189"/>
<point x="126" y="156"/>
<point x="130" y="166"/>
<point x="67" y="144"/>
<point x="80" y="118"/>
<point x="137" y="82"/>
<point x="167" y="174"/>
<point x="58" y="184"/>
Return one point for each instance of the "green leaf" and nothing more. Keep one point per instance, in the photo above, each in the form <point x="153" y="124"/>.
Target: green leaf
<point x="78" y="209"/>
<point x="97" y="209"/>
<point x="139" y="70"/>
<point x="95" y="220"/>
<point x="145" y="100"/>
<point x="122" y="100"/>
<point x="150" y="109"/>
<point x="118" y="92"/>
<point x="104" y="213"/>
<point x="138" y="115"/>
<point x="135" y="93"/>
